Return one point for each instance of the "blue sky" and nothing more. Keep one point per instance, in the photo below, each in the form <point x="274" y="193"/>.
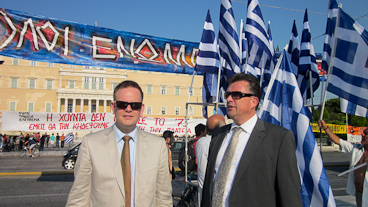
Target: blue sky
<point x="183" y="20"/>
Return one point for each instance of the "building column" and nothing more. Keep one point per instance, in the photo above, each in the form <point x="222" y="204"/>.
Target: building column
<point x="89" y="105"/>
<point x="97" y="105"/>
<point x="74" y="105"/>
<point x="104" y="106"/>
<point x="81" y="105"/>
<point x="65" y="105"/>
<point x="58" y="104"/>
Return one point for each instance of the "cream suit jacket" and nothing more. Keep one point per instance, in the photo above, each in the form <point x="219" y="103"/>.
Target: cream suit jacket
<point x="98" y="175"/>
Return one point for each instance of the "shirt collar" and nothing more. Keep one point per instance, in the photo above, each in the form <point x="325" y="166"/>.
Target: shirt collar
<point x="119" y="134"/>
<point x="248" y="125"/>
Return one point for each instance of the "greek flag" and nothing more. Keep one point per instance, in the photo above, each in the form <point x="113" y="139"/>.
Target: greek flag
<point x="243" y="51"/>
<point x="348" y="66"/>
<point x="307" y="62"/>
<point x="330" y="29"/>
<point x="208" y="62"/>
<point x="351" y="108"/>
<point x="260" y="53"/>
<point x="294" y="49"/>
<point x="272" y="49"/>
<point x="228" y="40"/>
<point x="283" y="105"/>
<point x="69" y="138"/>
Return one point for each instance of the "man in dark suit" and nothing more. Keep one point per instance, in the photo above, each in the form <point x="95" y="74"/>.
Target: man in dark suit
<point x="251" y="162"/>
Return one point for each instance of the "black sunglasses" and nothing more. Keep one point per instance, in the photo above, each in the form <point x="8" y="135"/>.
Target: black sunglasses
<point x="237" y="95"/>
<point x="133" y="105"/>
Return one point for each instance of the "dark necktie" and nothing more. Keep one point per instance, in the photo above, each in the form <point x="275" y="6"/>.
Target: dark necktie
<point x="125" y="166"/>
<point x="224" y="169"/>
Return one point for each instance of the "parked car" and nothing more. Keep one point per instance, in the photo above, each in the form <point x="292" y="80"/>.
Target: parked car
<point x="71" y="157"/>
<point x="175" y="149"/>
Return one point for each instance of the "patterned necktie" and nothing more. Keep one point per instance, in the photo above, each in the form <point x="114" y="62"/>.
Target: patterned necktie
<point x="225" y="166"/>
<point x="125" y="166"/>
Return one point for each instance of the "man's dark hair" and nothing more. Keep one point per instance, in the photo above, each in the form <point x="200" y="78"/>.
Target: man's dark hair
<point x="126" y="84"/>
<point x="199" y="129"/>
<point x="167" y="134"/>
<point x="254" y="86"/>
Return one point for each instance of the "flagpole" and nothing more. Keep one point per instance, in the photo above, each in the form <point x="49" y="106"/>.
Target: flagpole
<point x="331" y="61"/>
<point x="241" y="42"/>
<point x="310" y="88"/>
<point x="218" y="85"/>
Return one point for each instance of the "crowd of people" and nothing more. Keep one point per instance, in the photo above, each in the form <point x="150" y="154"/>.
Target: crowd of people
<point x="17" y="142"/>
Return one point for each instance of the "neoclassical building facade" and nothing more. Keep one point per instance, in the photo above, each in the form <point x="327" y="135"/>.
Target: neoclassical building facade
<point x="47" y="87"/>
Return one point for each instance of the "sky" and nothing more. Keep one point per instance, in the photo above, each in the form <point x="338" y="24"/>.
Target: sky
<point x="184" y="20"/>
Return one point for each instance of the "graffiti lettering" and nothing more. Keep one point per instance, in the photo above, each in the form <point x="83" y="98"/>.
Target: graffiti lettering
<point x="73" y="117"/>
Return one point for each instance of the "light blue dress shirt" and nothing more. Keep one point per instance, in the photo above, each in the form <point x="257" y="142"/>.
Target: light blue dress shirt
<point x="132" y="151"/>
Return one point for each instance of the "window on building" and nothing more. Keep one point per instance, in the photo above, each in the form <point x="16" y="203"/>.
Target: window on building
<point x="12" y="106"/>
<point x="86" y="82"/>
<point x="93" y="108"/>
<point x="94" y="83"/>
<point x="14" y="82"/>
<point x="30" y="107"/>
<point x="149" y="89"/>
<point x="32" y="83"/>
<point x="33" y="63"/>
<point x="163" y="110"/>
<point x="51" y="64"/>
<point x="70" y="108"/>
<point x="72" y="66"/>
<point x="48" y="107"/>
<point x="149" y="110"/>
<point x="114" y="85"/>
<point x="177" y="90"/>
<point x="49" y="84"/>
<point x="163" y="90"/>
<point x="71" y="83"/>
<point x="177" y="110"/>
<point x="191" y="91"/>
<point x="15" y="61"/>
<point x="101" y="84"/>
<point x="191" y="111"/>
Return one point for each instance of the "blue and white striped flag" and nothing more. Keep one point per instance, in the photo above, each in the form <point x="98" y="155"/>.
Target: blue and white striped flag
<point x="351" y="108"/>
<point x="69" y="137"/>
<point x="294" y="49"/>
<point x="259" y="49"/>
<point x="228" y="40"/>
<point x="348" y="67"/>
<point x="307" y="62"/>
<point x="245" y="67"/>
<point x="208" y="61"/>
<point x="330" y="29"/>
<point x="283" y="105"/>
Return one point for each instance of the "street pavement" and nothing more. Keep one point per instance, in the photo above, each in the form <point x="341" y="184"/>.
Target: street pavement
<point x="26" y="167"/>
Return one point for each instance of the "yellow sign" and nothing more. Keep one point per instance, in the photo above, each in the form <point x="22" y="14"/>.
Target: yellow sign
<point x="336" y="129"/>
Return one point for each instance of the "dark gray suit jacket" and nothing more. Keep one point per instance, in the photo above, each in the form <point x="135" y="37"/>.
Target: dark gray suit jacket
<point x="267" y="174"/>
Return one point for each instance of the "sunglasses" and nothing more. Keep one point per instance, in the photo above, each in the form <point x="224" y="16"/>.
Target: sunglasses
<point x="124" y="105"/>
<point x="237" y="95"/>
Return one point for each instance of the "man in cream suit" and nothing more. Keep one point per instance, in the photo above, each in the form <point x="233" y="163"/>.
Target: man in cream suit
<point x="251" y="162"/>
<point x="98" y="172"/>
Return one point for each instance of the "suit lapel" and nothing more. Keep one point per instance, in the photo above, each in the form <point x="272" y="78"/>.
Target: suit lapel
<point x="254" y="141"/>
<point x="113" y="153"/>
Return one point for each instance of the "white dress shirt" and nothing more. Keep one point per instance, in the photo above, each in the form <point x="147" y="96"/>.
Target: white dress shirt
<point x="202" y="147"/>
<point x="247" y="129"/>
<point x="132" y="149"/>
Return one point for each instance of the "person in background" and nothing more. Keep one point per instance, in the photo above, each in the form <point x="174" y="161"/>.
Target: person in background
<point x="122" y="165"/>
<point x="358" y="179"/>
<point x="32" y="143"/>
<point x="42" y="141"/>
<point x="62" y="137"/>
<point x="203" y="144"/>
<point x="169" y="138"/>
<point x="57" y="140"/>
<point x="250" y="162"/>
<point x="1" y="142"/>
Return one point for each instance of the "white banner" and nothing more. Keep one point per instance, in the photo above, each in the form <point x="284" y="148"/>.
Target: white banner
<point x="42" y="121"/>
